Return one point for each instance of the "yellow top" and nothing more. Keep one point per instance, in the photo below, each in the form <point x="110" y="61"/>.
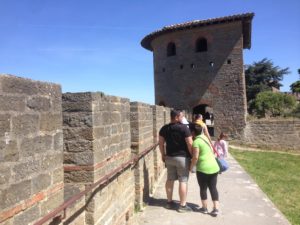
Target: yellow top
<point x="200" y="122"/>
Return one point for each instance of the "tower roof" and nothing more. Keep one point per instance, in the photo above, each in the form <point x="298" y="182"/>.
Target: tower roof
<point x="246" y="19"/>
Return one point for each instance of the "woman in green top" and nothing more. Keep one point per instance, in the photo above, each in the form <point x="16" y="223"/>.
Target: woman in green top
<point x="207" y="169"/>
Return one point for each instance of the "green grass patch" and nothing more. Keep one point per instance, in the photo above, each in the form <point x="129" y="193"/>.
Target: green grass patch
<point x="278" y="175"/>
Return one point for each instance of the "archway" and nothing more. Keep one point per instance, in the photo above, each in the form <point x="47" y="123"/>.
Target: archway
<point x="208" y="117"/>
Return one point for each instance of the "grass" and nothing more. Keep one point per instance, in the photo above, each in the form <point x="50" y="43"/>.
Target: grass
<point x="278" y="175"/>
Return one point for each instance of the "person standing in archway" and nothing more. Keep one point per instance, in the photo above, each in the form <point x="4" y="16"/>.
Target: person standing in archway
<point x="198" y="119"/>
<point x="175" y="145"/>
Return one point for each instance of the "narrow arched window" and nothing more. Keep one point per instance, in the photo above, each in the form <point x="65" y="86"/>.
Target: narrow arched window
<point x="171" y="49"/>
<point x="201" y="45"/>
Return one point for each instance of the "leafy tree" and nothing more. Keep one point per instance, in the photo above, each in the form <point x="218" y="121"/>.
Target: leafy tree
<point x="273" y="104"/>
<point x="295" y="87"/>
<point x="262" y="76"/>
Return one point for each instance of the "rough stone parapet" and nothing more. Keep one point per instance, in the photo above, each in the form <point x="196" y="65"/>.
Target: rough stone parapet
<point x="31" y="180"/>
<point x="97" y="141"/>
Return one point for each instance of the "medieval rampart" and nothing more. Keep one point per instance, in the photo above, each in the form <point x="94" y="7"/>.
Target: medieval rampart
<point x="55" y="146"/>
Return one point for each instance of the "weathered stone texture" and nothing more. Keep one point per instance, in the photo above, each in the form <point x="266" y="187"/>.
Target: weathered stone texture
<point x="142" y="138"/>
<point x="273" y="134"/>
<point x="187" y="79"/>
<point x="100" y="133"/>
<point x="97" y="136"/>
<point x="30" y="148"/>
<point x="159" y="119"/>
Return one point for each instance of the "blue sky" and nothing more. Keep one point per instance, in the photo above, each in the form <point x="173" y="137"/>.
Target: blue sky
<point x="94" y="45"/>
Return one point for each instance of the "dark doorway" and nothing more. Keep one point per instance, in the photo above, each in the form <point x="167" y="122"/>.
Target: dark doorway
<point x="208" y="117"/>
<point x="200" y="109"/>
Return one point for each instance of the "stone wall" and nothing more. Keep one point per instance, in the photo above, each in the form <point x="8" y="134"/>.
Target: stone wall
<point x="279" y="134"/>
<point x="159" y="119"/>
<point x="54" y="146"/>
<point x="47" y="156"/>
<point x="188" y="79"/>
<point x="97" y="141"/>
<point x="31" y="147"/>
<point x="141" y="122"/>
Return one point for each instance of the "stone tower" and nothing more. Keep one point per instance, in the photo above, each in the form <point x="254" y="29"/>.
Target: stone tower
<point x="198" y="66"/>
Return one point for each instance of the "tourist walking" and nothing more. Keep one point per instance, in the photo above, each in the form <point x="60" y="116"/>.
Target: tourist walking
<point x="175" y="144"/>
<point x="207" y="170"/>
<point x="221" y="145"/>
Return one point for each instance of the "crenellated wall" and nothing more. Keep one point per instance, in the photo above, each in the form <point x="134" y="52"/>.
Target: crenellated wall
<point x="97" y="140"/>
<point x="54" y="146"/>
<point x="141" y="122"/>
<point x="31" y="147"/>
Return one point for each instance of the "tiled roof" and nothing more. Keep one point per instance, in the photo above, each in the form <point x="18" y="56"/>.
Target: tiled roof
<point x="246" y="19"/>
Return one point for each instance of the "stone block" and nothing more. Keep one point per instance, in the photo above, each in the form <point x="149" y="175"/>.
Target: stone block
<point x="26" y="169"/>
<point x="12" y="103"/>
<point x="50" y="122"/>
<point x="77" y="102"/>
<point x="78" y="119"/>
<point x="50" y="90"/>
<point x="71" y="189"/>
<point x="9" y="151"/>
<point x="14" y="194"/>
<point x="58" y="141"/>
<point x="115" y="117"/>
<point x="25" y="124"/>
<point x="4" y="124"/>
<point x="27" y="216"/>
<point x="52" y="162"/>
<point x="52" y="202"/>
<point x="58" y="176"/>
<point x="99" y="132"/>
<point x="37" y="145"/>
<point x="5" y="174"/>
<point x="40" y="104"/>
<point x="80" y="176"/>
<point x="78" y="133"/>
<point x="79" y="158"/>
<point x="18" y="85"/>
<point x="41" y="182"/>
<point x="78" y="146"/>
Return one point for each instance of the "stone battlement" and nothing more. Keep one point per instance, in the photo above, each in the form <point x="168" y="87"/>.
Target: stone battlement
<point x="54" y="145"/>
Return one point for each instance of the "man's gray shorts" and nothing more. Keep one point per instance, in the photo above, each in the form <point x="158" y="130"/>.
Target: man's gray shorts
<point x="178" y="168"/>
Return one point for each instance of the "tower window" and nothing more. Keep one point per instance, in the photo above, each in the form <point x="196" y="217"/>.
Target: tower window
<point x="171" y="49"/>
<point x="228" y="61"/>
<point x="201" y="45"/>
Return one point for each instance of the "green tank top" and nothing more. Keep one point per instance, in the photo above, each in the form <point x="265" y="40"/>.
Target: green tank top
<point x="206" y="162"/>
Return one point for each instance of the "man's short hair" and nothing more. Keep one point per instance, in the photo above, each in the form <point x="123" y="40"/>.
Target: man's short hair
<point x="174" y="113"/>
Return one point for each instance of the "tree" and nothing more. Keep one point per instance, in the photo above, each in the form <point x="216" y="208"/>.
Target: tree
<point x="273" y="104"/>
<point x="262" y="76"/>
<point x="295" y="87"/>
